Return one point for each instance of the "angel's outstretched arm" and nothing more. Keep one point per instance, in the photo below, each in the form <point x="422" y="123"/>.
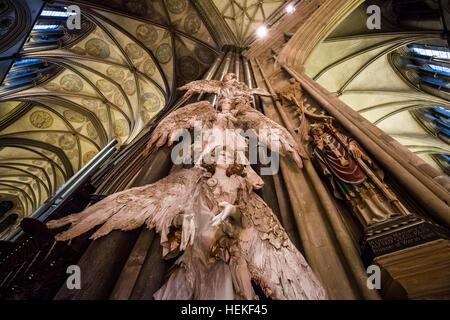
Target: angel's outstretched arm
<point x="207" y="86"/>
<point x="260" y="92"/>
<point x="200" y="86"/>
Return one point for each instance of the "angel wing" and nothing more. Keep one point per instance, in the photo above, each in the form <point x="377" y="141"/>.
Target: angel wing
<point x="249" y="118"/>
<point x="207" y="86"/>
<point x="183" y="118"/>
<point x="156" y="205"/>
<point x="272" y="260"/>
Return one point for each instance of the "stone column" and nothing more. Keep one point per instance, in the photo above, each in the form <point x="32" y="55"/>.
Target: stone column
<point x="400" y="163"/>
<point x="327" y="244"/>
<point x="413" y="253"/>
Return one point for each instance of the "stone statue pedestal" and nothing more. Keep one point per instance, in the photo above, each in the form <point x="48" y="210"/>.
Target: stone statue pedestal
<point x="414" y="257"/>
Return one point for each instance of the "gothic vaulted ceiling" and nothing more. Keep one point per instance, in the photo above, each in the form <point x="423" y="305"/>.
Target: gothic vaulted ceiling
<point x="387" y="75"/>
<point x="74" y="91"/>
<point x="244" y="17"/>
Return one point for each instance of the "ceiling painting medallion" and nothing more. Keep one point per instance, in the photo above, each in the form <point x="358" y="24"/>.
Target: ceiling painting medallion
<point x="134" y="51"/>
<point x="115" y="73"/>
<point x="97" y="48"/>
<point x="192" y="24"/>
<point x="71" y="83"/>
<point x="105" y="85"/>
<point x="164" y="53"/>
<point x="147" y="34"/>
<point x="176" y="6"/>
<point x="151" y="102"/>
<point x="130" y="87"/>
<point x="149" y="67"/>
<point x="41" y="119"/>
<point x="67" y="141"/>
<point x="73" y="116"/>
<point x="121" y="128"/>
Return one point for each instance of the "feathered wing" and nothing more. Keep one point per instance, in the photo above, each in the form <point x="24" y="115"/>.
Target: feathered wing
<point x="155" y="205"/>
<point x="250" y="118"/>
<point x="272" y="260"/>
<point x="207" y="86"/>
<point x="180" y="119"/>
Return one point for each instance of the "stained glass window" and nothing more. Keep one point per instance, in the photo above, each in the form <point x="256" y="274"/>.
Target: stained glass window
<point x="45" y="27"/>
<point x="428" y="67"/>
<point x="432" y="64"/>
<point x="441" y="53"/>
<point x="436" y="120"/>
<point x="55" y="13"/>
<point x="441" y="69"/>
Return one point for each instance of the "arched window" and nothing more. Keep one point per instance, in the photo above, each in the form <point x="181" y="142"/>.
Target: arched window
<point x="435" y="120"/>
<point x="443" y="161"/>
<point x="27" y="71"/>
<point x="49" y="32"/>
<point x="431" y="64"/>
<point x="427" y="66"/>
<point x="50" y="29"/>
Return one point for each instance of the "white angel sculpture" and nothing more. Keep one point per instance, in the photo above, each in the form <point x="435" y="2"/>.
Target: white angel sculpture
<point x="209" y="216"/>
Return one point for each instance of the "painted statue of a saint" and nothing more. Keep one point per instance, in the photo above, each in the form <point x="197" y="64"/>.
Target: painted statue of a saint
<point x="336" y="157"/>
